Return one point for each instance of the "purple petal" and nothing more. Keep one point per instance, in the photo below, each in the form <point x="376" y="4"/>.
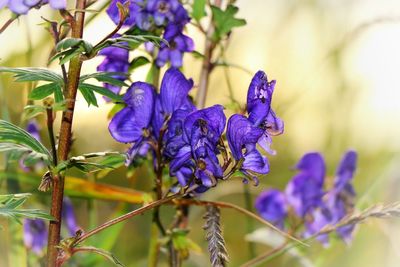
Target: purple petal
<point x="18" y="7"/>
<point x="68" y="216"/>
<point x="314" y="165"/>
<point x="254" y="161"/>
<point x="174" y="90"/>
<point x="345" y="170"/>
<point x="124" y="126"/>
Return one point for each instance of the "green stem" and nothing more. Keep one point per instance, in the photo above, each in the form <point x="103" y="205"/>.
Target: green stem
<point x="64" y="144"/>
<point x="249" y="222"/>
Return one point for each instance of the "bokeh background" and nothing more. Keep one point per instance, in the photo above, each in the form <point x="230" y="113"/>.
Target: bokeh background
<point x="337" y="66"/>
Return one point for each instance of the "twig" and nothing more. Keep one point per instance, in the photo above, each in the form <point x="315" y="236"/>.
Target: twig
<point x="65" y="140"/>
<point x="8" y="23"/>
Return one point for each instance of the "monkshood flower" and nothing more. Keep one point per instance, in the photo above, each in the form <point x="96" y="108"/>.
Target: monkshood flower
<point x="132" y="123"/>
<point x="259" y="97"/>
<point x="272" y="206"/>
<point x="178" y="43"/>
<point x="35" y="235"/>
<point x="304" y="192"/>
<point x="242" y="138"/>
<point x="197" y="155"/>
<point x="116" y="60"/>
<point x="148" y="14"/>
<point x="22" y="7"/>
<point x="68" y="217"/>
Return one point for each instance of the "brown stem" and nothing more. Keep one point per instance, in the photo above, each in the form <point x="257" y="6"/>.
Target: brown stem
<point x="65" y="138"/>
<point x="50" y="121"/>
<point x="8" y="23"/>
<point x="206" y="68"/>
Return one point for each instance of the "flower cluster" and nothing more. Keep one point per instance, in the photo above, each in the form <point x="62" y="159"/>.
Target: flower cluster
<point x="244" y="133"/>
<point x="21" y="7"/>
<point x="190" y="139"/>
<point x="155" y="15"/>
<point x="305" y="197"/>
<point x="35" y="230"/>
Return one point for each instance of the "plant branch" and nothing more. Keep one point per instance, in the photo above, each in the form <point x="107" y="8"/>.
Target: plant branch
<point x="65" y="139"/>
<point x="126" y="216"/>
<point x="8" y="23"/>
<point x="241" y="210"/>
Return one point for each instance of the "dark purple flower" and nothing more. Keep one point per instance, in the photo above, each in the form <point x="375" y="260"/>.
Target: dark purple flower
<point x="259" y="99"/>
<point x="242" y="137"/>
<point x="68" y="217"/>
<point x="35" y="235"/>
<point x="272" y="206"/>
<point x="304" y="192"/>
<point x="178" y="43"/>
<point x="116" y="60"/>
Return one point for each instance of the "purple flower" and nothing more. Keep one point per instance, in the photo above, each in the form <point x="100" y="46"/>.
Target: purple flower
<point x="147" y="15"/>
<point x="304" y="192"/>
<point x="116" y="60"/>
<point x="178" y="43"/>
<point x="35" y="235"/>
<point x="173" y="96"/>
<point x="272" y="206"/>
<point x="68" y="217"/>
<point x="131" y="124"/>
<point x="196" y="149"/>
<point x="259" y="99"/>
<point x="33" y="128"/>
<point x="242" y="138"/>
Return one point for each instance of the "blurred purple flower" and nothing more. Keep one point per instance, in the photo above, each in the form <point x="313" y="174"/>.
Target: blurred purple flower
<point x="68" y="217"/>
<point x="35" y="235"/>
<point x="272" y="206"/>
<point x="32" y="127"/>
<point x="116" y="60"/>
<point x="22" y="7"/>
<point x="304" y="192"/>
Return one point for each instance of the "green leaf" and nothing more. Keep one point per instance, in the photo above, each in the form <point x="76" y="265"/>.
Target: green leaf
<point x="9" y="205"/>
<point x="59" y="96"/>
<point x="138" y="62"/>
<point x="33" y="74"/>
<point x="101" y="90"/>
<point x="13" y="137"/>
<point x="88" y="95"/>
<point x="224" y="21"/>
<point x="74" y="43"/>
<point x="42" y="91"/>
<point x="107" y="77"/>
<point x="108" y="255"/>
<point x="199" y="9"/>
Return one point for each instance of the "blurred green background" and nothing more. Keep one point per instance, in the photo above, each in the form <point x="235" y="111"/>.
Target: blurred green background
<point x="337" y="67"/>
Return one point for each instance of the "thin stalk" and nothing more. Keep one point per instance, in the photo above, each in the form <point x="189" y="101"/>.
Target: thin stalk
<point x="65" y="138"/>
<point x="8" y="23"/>
<point x="50" y="130"/>
<point x="248" y="203"/>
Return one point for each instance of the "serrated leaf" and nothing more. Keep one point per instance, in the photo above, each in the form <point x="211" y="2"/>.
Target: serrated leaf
<point x="224" y="20"/>
<point x="107" y="77"/>
<point x="138" y="62"/>
<point x="199" y="9"/>
<point x="13" y="136"/>
<point x="101" y="90"/>
<point x="88" y="95"/>
<point x="42" y="91"/>
<point x="33" y="74"/>
<point x="68" y="43"/>
<point x="9" y="205"/>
